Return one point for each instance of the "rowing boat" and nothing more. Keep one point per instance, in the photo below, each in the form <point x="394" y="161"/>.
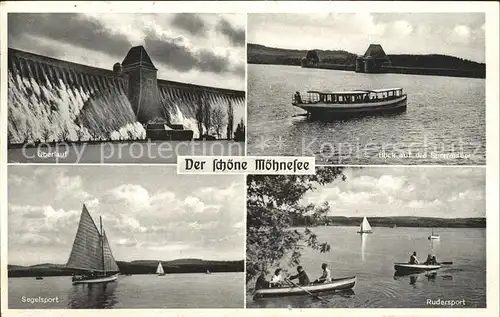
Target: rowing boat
<point x="336" y="285"/>
<point x="414" y="268"/>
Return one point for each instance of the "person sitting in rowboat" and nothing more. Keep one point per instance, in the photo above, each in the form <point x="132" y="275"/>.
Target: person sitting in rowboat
<point x="261" y="281"/>
<point x="302" y="276"/>
<point x="429" y="260"/>
<point x="413" y="258"/>
<point x="434" y="260"/>
<point x="277" y="279"/>
<point x="326" y="277"/>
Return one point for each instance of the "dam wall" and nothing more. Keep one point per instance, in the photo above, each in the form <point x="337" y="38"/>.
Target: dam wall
<point x="55" y="100"/>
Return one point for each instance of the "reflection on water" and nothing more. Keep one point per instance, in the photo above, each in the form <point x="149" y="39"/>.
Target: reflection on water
<point x="434" y="245"/>
<point x="415" y="279"/>
<point x="364" y="237"/>
<point x="93" y="296"/>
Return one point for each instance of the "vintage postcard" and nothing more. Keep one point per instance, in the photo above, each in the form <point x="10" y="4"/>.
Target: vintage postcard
<point x="243" y="158"/>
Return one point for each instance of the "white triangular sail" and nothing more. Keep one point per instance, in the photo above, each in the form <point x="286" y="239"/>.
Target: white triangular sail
<point x="91" y="250"/>
<point x="159" y="269"/>
<point x="110" y="264"/>
<point x="365" y="226"/>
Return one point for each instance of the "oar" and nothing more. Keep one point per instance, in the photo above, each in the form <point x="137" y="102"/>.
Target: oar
<point x="446" y="263"/>
<point x="309" y="293"/>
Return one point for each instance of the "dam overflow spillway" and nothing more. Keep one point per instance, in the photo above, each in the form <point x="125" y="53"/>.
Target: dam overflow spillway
<point x="55" y="100"/>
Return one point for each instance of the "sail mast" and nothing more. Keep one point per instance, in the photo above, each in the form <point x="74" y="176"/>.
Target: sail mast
<point x="102" y="245"/>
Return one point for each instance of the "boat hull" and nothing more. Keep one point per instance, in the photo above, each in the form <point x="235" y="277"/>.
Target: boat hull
<point x="414" y="268"/>
<point x="363" y="232"/>
<point x="98" y="280"/>
<point x="433" y="237"/>
<point x="335" y="285"/>
<point x="329" y="110"/>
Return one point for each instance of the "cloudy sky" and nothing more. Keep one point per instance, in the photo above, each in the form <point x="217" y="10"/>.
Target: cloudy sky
<point x="456" y="34"/>
<point x="446" y="192"/>
<point x="205" y="49"/>
<point x="149" y="213"/>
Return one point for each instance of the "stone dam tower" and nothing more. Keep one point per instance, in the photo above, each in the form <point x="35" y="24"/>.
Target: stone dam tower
<point x="373" y="60"/>
<point x="142" y="84"/>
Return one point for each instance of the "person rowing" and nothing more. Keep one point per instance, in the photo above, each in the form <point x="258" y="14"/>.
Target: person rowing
<point x="301" y="275"/>
<point x="413" y="258"/>
<point x="326" y="277"/>
<point x="431" y="260"/>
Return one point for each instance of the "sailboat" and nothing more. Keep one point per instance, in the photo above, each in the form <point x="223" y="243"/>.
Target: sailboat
<point x="433" y="236"/>
<point x="159" y="270"/>
<point x="365" y="226"/>
<point x="91" y="253"/>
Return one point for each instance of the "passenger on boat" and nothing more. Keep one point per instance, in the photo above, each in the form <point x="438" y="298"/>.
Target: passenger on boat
<point x="302" y="276"/>
<point x="277" y="279"/>
<point x="413" y="258"/>
<point x="261" y="281"/>
<point x="298" y="98"/>
<point x="326" y="277"/>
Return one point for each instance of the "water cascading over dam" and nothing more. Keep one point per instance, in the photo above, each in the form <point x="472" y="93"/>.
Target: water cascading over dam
<point x="50" y="99"/>
<point x="55" y="100"/>
<point x="181" y="100"/>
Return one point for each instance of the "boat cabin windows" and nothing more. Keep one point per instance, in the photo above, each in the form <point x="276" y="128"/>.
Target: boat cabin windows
<point x="355" y="97"/>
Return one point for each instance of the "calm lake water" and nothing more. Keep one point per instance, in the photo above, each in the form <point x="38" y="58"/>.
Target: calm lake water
<point x="216" y="290"/>
<point x="444" y="122"/>
<point x="371" y="258"/>
<point x="124" y="152"/>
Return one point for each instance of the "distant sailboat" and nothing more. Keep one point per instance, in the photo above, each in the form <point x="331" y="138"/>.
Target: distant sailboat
<point x="433" y="236"/>
<point x="365" y="226"/>
<point x="208" y="271"/>
<point x="91" y="253"/>
<point x="159" y="270"/>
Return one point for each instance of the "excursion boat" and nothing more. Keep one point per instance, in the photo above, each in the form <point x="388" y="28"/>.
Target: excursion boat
<point x="365" y="227"/>
<point x="404" y="268"/>
<point x="92" y="254"/>
<point x="159" y="270"/>
<point x="335" y="285"/>
<point x="326" y="104"/>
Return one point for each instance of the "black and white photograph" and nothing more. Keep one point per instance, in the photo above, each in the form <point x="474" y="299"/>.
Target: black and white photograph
<point x="125" y="88"/>
<point x="368" y="88"/>
<point x="124" y="237"/>
<point x="370" y="237"/>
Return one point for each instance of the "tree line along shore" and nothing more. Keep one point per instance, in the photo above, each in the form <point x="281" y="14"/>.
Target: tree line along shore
<point x="426" y="222"/>
<point x="431" y="64"/>
<point x="133" y="267"/>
